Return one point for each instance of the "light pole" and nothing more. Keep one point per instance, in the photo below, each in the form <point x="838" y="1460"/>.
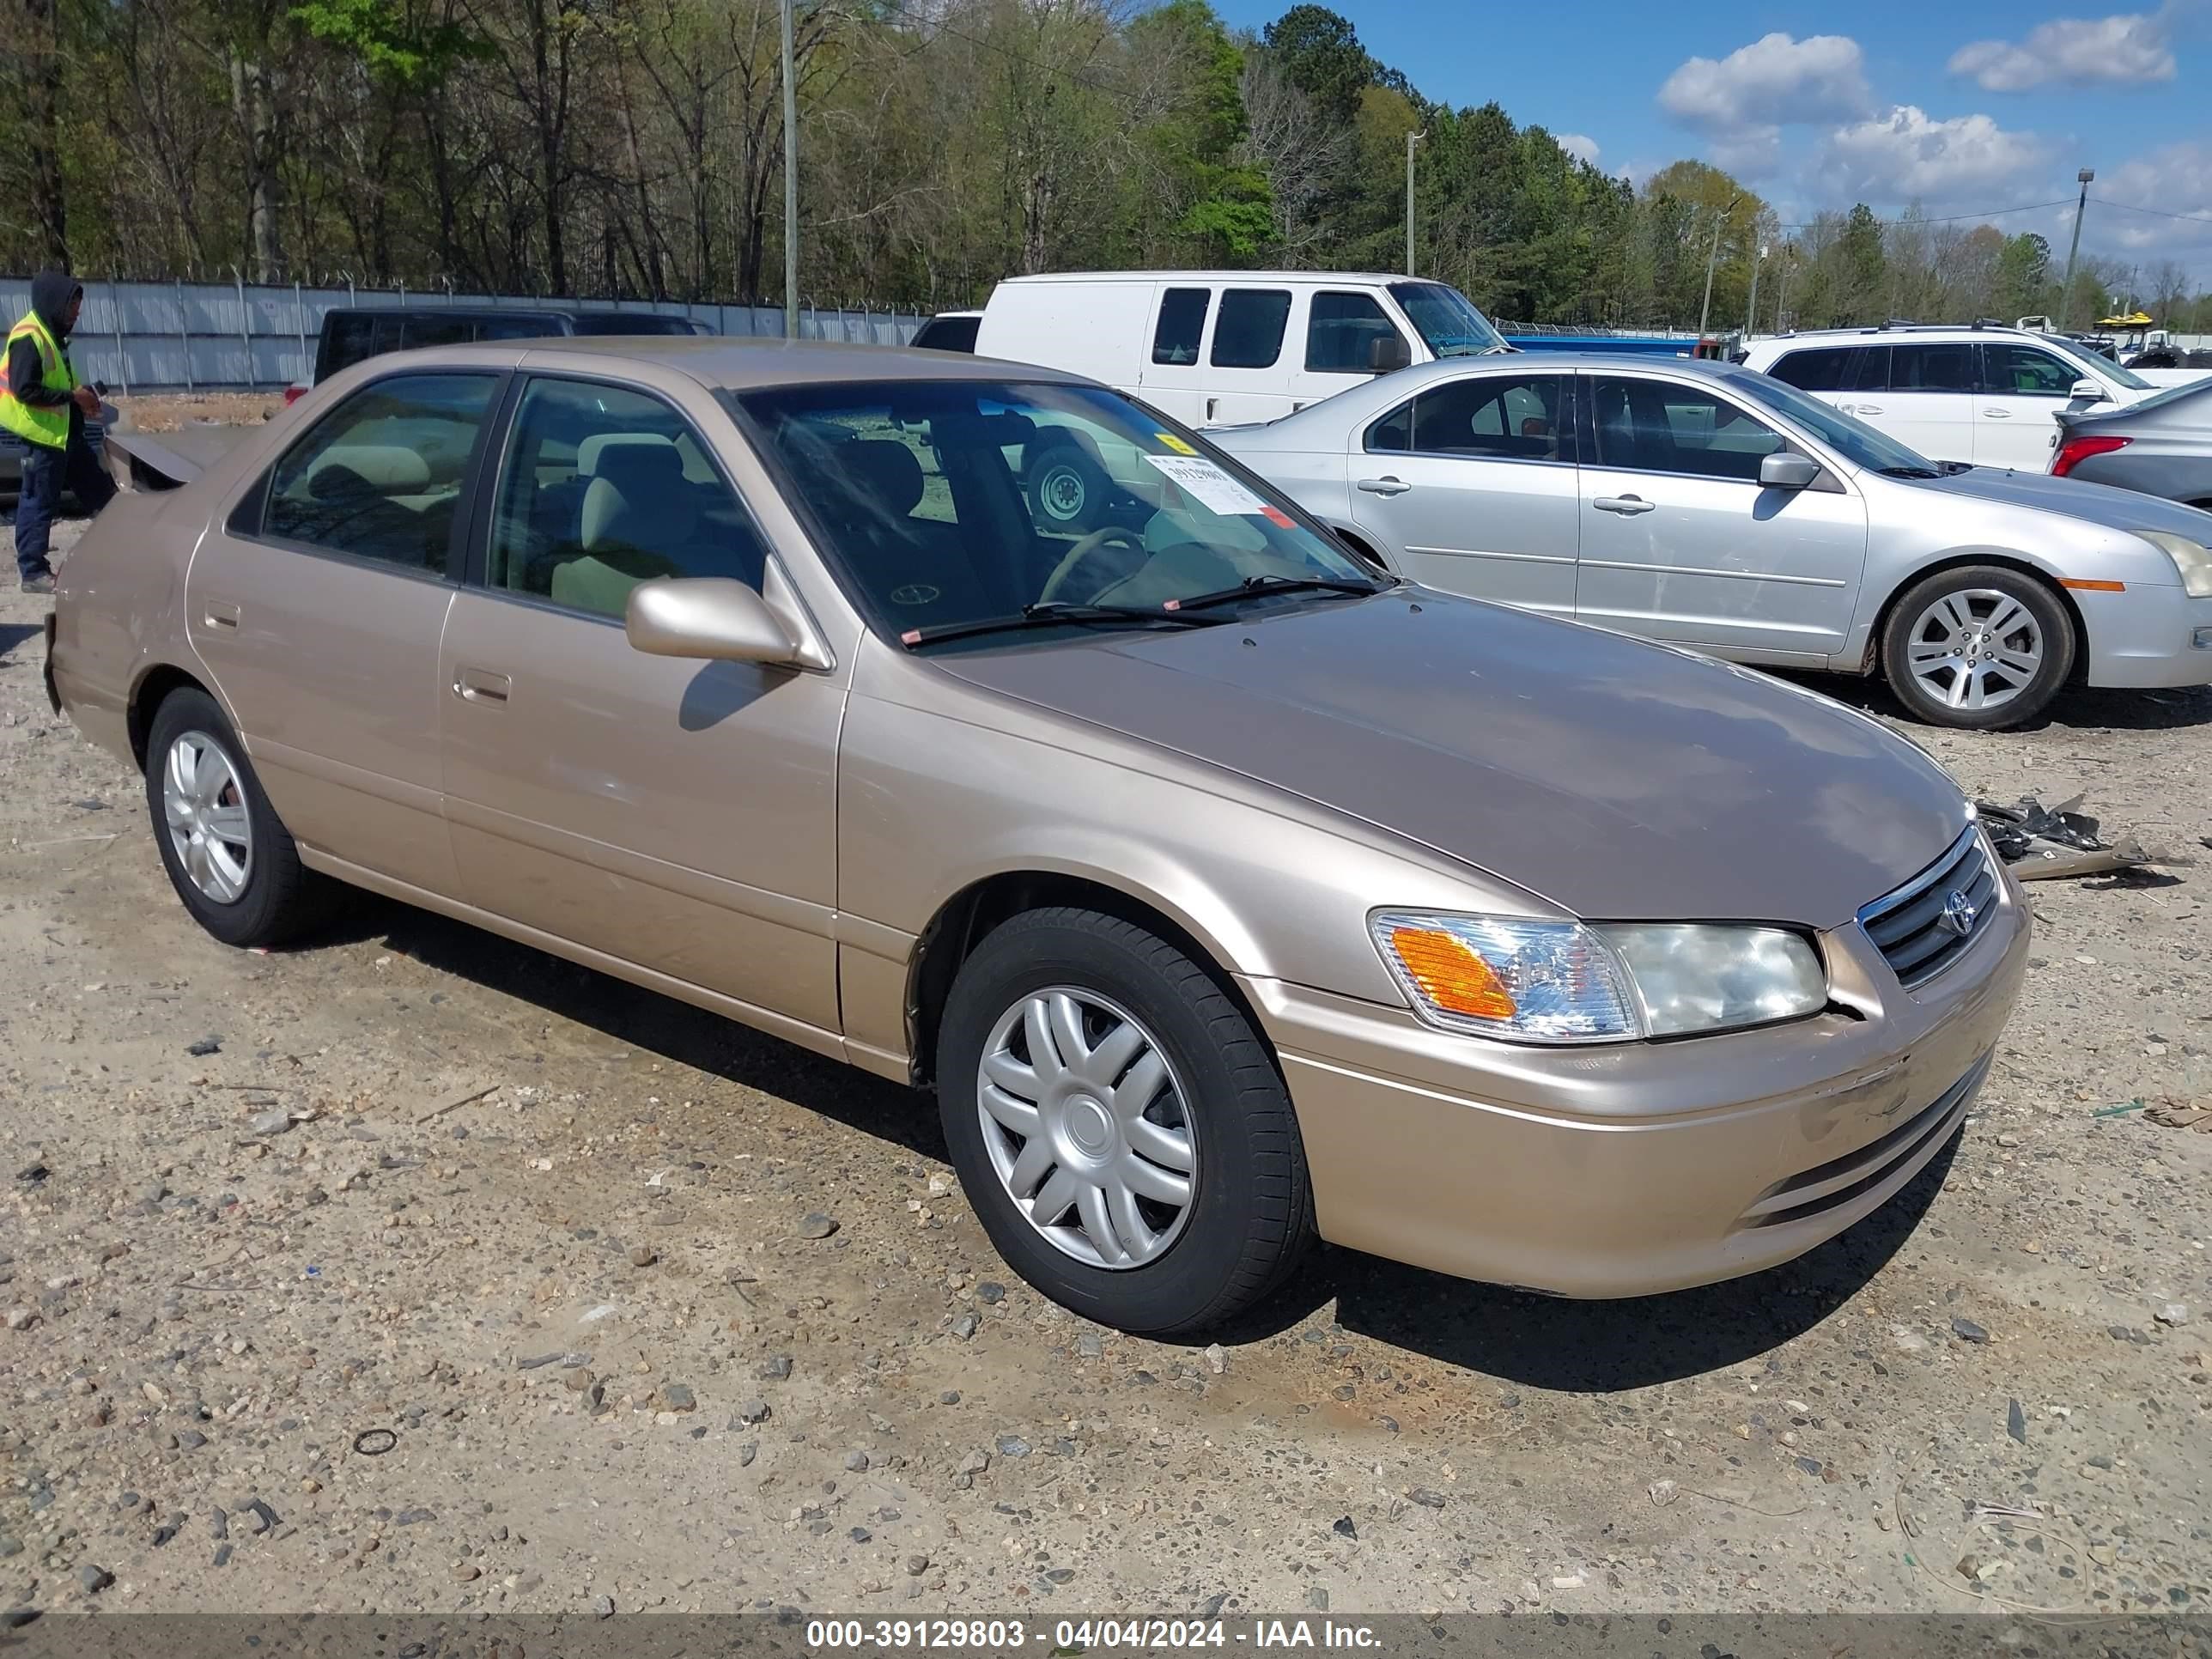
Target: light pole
<point x="1412" y="139"/>
<point x="1705" y="309"/>
<point x="790" y="185"/>
<point x="2086" y="176"/>
<point x="1751" y="305"/>
<point x="1781" y="285"/>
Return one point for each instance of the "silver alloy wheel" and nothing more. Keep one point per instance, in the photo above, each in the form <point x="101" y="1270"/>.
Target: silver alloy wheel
<point x="205" y="809"/>
<point x="1086" y="1125"/>
<point x="1061" y="492"/>
<point x="1974" y="649"/>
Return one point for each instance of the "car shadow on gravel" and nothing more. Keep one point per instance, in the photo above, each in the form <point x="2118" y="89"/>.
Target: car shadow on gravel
<point x="2077" y="708"/>
<point x="1596" y="1347"/>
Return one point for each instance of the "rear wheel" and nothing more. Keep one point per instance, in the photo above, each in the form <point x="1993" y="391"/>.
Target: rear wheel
<point x="229" y="855"/>
<point x="1980" y="647"/>
<point x="1118" y="1125"/>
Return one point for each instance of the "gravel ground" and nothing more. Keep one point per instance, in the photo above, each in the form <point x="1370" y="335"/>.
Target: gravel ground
<point x="415" y="1270"/>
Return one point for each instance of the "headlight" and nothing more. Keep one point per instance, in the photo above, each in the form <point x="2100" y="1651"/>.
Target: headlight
<point x="1561" y="982"/>
<point x="2189" y="558"/>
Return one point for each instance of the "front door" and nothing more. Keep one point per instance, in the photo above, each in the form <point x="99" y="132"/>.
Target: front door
<point x="317" y="604"/>
<point x="1342" y="327"/>
<point x="1680" y="541"/>
<point x="675" y="815"/>
<point x="1472" y="485"/>
<point x="2023" y="388"/>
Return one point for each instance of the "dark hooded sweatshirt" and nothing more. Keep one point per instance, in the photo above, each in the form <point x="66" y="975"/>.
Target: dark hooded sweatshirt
<point x="51" y="294"/>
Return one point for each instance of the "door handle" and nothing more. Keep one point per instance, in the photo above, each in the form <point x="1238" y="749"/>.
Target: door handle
<point x="1211" y="404"/>
<point x="481" y="685"/>
<point x="220" y="613"/>
<point x="1384" y="486"/>
<point x="1996" y="414"/>
<point x="1627" y="505"/>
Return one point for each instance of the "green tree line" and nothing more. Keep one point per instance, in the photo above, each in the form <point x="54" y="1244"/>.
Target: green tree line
<point x="636" y="148"/>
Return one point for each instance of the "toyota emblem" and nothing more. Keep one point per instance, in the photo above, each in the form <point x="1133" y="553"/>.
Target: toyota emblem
<point x="1959" y="914"/>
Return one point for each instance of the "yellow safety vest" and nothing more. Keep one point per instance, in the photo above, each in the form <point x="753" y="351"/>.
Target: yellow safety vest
<point x="38" y="424"/>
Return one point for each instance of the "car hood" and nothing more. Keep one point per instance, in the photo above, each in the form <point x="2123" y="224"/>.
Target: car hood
<point x="1621" y="781"/>
<point x="2076" y="498"/>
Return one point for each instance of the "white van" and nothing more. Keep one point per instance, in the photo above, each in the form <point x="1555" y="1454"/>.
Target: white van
<point x="1210" y="347"/>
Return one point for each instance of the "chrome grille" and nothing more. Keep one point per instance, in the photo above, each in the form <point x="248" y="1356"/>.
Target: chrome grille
<point x="1917" y="927"/>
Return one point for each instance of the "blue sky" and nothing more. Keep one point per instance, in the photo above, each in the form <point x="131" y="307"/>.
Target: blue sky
<point x="1962" y="109"/>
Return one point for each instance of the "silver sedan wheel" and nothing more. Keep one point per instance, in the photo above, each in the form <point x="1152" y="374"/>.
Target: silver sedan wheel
<point x="1086" y="1125"/>
<point x="1976" y="649"/>
<point x="205" y="809"/>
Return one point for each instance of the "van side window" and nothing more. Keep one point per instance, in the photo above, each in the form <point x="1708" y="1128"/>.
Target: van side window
<point x="1181" y="324"/>
<point x="1341" y="331"/>
<point x="347" y="337"/>
<point x="1249" y="334"/>
<point x="1836" y="368"/>
<point x="431" y="330"/>
<point x="1932" y="368"/>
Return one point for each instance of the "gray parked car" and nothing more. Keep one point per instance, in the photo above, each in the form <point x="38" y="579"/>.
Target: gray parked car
<point x="2161" y="445"/>
<point x="1716" y="507"/>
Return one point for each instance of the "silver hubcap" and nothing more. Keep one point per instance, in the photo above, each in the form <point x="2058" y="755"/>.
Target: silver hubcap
<point x="1062" y="492"/>
<point x="1977" y="648"/>
<point x="205" y="809"/>
<point x="1085" y="1125"/>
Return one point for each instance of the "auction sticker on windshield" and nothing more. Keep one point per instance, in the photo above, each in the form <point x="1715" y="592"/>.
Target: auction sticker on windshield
<point x="1208" y="485"/>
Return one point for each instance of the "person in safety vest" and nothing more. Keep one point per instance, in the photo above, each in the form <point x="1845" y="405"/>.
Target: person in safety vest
<point x="42" y="403"/>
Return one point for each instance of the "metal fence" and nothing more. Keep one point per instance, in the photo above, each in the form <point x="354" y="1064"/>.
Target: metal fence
<point x="203" y="337"/>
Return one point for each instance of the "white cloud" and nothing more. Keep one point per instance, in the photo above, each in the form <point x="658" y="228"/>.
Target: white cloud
<point x="1580" y="145"/>
<point x="2127" y="49"/>
<point x="2175" y="180"/>
<point x="1742" y="101"/>
<point x="1904" y="156"/>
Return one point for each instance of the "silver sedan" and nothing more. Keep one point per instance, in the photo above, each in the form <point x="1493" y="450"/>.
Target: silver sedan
<point x="1712" y="507"/>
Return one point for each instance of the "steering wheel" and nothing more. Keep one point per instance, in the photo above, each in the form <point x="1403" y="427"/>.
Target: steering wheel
<point x="1064" y="571"/>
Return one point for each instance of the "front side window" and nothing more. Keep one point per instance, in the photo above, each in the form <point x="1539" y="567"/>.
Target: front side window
<point x="1249" y="333"/>
<point x="914" y="493"/>
<point x="380" y="477"/>
<point x="1657" y="426"/>
<point x="1932" y="368"/>
<point x="604" y="488"/>
<point x="1516" y="417"/>
<point x="2022" y="371"/>
<point x="1181" y="324"/>
<point x="1341" y="330"/>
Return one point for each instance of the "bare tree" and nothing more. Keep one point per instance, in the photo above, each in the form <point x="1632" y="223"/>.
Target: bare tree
<point x="1288" y="141"/>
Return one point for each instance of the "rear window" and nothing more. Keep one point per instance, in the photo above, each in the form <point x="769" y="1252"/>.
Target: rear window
<point x="947" y="334"/>
<point x="1181" y="324"/>
<point x="1249" y="333"/>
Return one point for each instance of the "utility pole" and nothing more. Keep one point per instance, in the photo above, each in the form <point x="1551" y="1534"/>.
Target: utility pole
<point x="1412" y="139"/>
<point x="1705" y="309"/>
<point x="1781" y="285"/>
<point x="1751" y="305"/>
<point x="2066" y="292"/>
<point x="790" y="185"/>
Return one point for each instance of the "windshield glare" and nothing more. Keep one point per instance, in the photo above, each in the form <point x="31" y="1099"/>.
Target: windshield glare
<point x="1850" y="437"/>
<point x="950" y="502"/>
<point x="1447" y="319"/>
<point x="2103" y="365"/>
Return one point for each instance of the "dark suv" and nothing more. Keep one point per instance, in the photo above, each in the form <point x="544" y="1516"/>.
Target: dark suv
<point x="352" y="333"/>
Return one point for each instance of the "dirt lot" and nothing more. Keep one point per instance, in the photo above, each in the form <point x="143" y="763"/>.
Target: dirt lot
<point x="558" y="1244"/>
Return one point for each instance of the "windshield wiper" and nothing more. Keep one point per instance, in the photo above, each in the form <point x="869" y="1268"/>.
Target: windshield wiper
<point x="1051" y="613"/>
<point x="1264" y="587"/>
<point x="1908" y="472"/>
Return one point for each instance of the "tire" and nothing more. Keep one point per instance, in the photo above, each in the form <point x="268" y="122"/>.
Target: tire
<point x="276" y="896"/>
<point x="1945" y="620"/>
<point x="1067" y="490"/>
<point x="1219" y="1098"/>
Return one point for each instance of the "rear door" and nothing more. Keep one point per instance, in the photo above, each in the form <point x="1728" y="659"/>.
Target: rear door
<point x="1246" y="378"/>
<point x="2023" y="387"/>
<point x="1680" y="541"/>
<point x="1929" y="403"/>
<point x="1470" y="486"/>
<point x="1169" y="377"/>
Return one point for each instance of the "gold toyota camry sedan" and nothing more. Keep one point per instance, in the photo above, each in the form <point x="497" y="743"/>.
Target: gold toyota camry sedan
<point x="1226" y="893"/>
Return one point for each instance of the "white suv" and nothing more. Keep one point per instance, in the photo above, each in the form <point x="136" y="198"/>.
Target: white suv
<point x="1990" y="396"/>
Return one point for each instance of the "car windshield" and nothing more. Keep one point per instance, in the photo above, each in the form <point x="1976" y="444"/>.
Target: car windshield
<point x="2097" y="362"/>
<point x="1853" y="439"/>
<point x="975" y="509"/>
<point x="1448" y="319"/>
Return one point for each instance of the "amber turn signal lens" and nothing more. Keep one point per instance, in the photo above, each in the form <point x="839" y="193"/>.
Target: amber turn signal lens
<point x="1449" y="975"/>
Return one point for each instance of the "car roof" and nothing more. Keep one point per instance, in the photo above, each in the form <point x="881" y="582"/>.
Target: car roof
<point x="440" y="309"/>
<point x="1895" y="331"/>
<point x="742" y="365"/>
<point x="1242" y="278"/>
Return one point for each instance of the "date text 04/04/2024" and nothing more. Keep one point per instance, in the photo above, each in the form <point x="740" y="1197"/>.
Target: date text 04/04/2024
<point x="1078" y="1636"/>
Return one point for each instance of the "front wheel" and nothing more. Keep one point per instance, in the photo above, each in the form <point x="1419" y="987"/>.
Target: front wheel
<point x="1119" y="1127"/>
<point x="1979" y="648"/>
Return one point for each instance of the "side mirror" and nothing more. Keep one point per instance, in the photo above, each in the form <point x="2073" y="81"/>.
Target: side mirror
<point x="1783" y="471"/>
<point x="711" y="618"/>
<point x="2087" y="391"/>
<point x="1388" y="353"/>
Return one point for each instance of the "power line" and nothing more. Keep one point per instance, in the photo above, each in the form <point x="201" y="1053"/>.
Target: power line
<point x="2129" y="207"/>
<point x="1956" y="218"/>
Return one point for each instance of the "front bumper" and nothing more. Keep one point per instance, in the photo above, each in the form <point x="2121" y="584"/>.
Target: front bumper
<point x="1636" y="1168"/>
<point x="2147" y="636"/>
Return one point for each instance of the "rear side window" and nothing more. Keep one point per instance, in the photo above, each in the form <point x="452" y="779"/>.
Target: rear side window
<point x="952" y="334"/>
<point x="1932" y="369"/>
<point x="529" y="327"/>
<point x="1341" y="331"/>
<point x="1524" y="417"/>
<point x="2022" y="371"/>
<point x="1181" y="324"/>
<point x="380" y="477"/>
<point x="348" y="338"/>
<point x="431" y="330"/>
<point x="1836" y="368"/>
<point x="1249" y="334"/>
